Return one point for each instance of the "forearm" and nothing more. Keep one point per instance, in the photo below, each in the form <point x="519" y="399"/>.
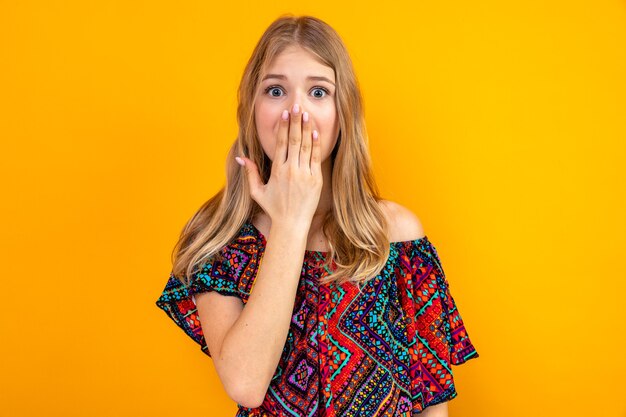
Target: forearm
<point x="255" y="342"/>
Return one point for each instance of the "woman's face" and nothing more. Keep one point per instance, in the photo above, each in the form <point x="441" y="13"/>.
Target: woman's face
<point x="297" y="77"/>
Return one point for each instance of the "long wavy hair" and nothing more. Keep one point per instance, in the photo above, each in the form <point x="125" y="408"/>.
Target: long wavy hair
<point x="355" y="227"/>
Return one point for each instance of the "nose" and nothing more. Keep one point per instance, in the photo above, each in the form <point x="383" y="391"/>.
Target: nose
<point x="297" y="98"/>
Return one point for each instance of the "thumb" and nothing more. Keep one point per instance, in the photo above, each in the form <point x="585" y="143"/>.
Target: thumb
<point x="252" y="172"/>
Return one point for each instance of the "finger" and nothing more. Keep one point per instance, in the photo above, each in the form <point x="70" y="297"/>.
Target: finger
<point x="316" y="154"/>
<point x="295" y="135"/>
<point x="280" y="152"/>
<point x="305" y="148"/>
<point x="252" y="172"/>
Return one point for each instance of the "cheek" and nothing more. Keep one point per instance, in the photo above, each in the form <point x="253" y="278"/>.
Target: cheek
<point x="266" y="122"/>
<point x="321" y="112"/>
<point x="265" y="118"/>
<point x="327" y="122"/>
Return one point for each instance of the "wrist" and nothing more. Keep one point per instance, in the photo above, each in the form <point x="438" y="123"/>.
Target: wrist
<point x="290" y="227"/>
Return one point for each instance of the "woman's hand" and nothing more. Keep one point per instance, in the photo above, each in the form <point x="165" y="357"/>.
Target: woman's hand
<point x="293" y="190"/>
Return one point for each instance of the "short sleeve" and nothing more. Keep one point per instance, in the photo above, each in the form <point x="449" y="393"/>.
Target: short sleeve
<point x="436" y="332"/>
<point x="231" y="273"/>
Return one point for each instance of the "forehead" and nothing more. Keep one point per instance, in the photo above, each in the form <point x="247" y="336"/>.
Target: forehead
<point x="294" y="59"/>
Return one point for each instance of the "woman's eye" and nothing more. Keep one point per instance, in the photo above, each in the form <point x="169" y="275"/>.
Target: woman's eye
<point x="274" y="91"/>
<point x="319" y="92"/>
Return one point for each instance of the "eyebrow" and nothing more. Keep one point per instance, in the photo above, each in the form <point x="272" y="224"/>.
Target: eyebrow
<point x="310" y="77"/>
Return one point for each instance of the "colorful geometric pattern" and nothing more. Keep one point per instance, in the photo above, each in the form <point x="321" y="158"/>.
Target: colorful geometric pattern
<point x="385" y="350"/>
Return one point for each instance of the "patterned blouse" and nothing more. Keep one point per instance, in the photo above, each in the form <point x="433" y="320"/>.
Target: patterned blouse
<point x="384" y="351"/>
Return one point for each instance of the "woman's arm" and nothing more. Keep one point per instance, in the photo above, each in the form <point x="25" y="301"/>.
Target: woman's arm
<point x="255" y="342"/>
<point x="438" y="410"/>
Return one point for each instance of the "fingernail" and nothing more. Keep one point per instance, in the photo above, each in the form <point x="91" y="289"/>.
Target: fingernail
<point x="305" y="116"/>
<point x="315" y="135"/>
<point x="285" y="115"/>
<point x="296" y="108"/>
<point x="240" y="161"/>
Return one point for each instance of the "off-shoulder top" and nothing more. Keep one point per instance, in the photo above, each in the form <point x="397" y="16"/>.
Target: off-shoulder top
<point x="385" y="350"/>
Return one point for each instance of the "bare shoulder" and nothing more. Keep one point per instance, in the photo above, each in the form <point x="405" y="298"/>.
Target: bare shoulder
<point x="403" y="223"/>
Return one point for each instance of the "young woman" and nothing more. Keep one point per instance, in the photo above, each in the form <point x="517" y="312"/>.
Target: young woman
<point x="347" y="309"/>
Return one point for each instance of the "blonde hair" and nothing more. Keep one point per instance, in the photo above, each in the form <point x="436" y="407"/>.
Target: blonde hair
<point x="355" y="227"/>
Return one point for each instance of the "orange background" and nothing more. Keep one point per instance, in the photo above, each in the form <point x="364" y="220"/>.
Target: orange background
<point x="500" y="124"/>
